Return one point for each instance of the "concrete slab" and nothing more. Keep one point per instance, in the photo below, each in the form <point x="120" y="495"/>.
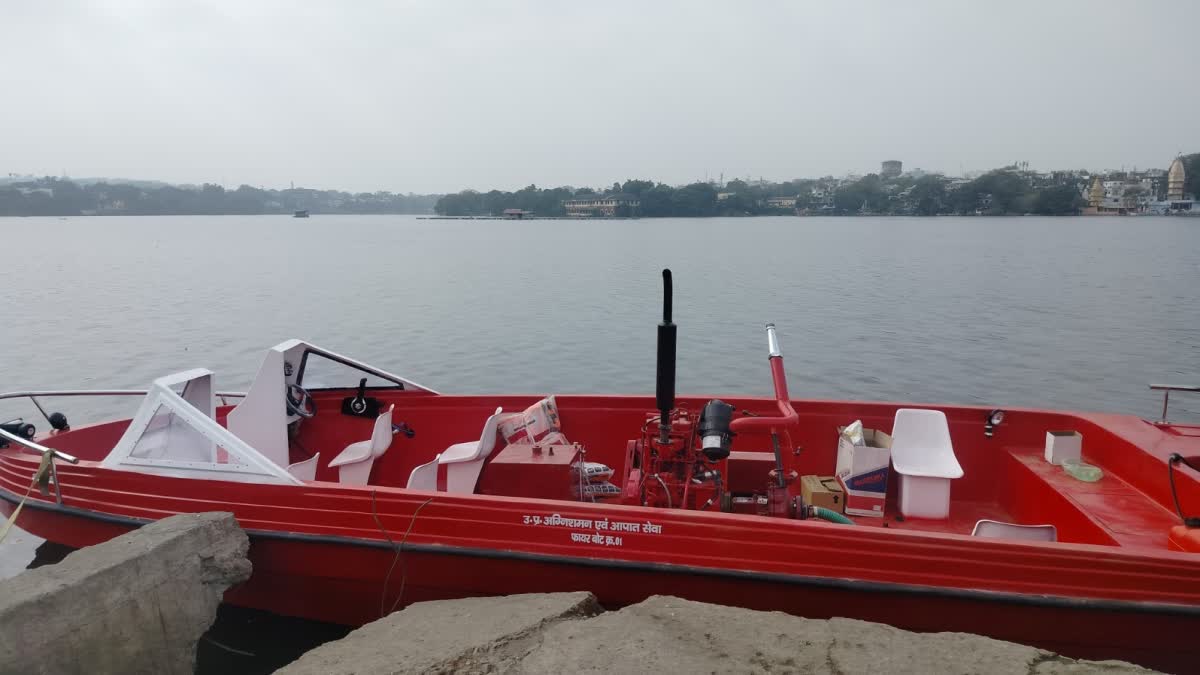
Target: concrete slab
<point x="562" y="633"/>
<point x="446" y="636"/>
<point x="135" y="604"/>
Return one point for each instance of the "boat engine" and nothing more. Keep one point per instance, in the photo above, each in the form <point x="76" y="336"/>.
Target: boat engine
<point x="681" y="460"/>
<point x="678" y="461"/>
<point x="681" y="473"/>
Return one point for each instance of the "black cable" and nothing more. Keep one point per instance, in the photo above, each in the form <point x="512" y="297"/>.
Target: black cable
<point x="1174" y="459"/>
<point x="395" y="556"/>
<point x="398" y="548"/>
<point x="403" y="562"/>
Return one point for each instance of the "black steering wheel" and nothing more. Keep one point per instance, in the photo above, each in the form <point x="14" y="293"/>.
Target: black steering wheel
<point x="299" y="401"/>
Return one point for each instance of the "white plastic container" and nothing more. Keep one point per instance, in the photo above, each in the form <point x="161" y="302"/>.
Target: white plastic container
<point x="1063" y="445"/>
<point x="924" y="459"/>
<point x="924" y="497"/>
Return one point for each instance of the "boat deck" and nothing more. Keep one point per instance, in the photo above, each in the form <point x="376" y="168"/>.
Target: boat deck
<point x="963" y="516"/>
<point x="1128" y="516"/>
<point x="1109" y="511"/>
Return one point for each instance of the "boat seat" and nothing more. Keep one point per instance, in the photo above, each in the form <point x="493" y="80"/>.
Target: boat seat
<point x="305" y="469"/>
<point x="355" y="462"/>
<point x="464" y="461"/>
<point x="924" y="460"/>
<point x="457" y="468"/>
<point x="424" y="477"/>
<point x="995" y="529"/>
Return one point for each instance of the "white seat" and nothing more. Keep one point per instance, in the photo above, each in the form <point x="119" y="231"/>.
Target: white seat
<point x="424" y="477"/>
<point x="355" y="462"/>
<point x="306" y="469"/>
<point x="995" y="529"/>
<point x="459" y="465"/>
<point x="924" y="459"/>
<point x="464" y="461"/>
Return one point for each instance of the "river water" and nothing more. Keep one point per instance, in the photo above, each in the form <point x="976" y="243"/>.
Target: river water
<point x="1076" y="313"/>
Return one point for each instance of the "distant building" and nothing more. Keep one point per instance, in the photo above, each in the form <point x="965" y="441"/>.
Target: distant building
<point x="1175" y="180"/>
<point x="822" y="195"/>
<point x="600" y="205"/>
<point x="782" y="202"/>
<point x="722" y="196"/>
<point x="1150" y="186"/>
<point x="1115" y="206"/>
<point x="891" y="168"/>
<point x="1096" y="194"/>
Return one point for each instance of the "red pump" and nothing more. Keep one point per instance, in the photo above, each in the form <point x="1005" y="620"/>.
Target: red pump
<point x="680" y="463"/>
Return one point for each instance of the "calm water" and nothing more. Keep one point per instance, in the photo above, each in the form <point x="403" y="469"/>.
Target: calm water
<point x="1076" y="313"/>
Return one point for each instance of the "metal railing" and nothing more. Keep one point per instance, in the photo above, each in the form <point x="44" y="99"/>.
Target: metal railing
<point x="1166" y="389"/>
<point x="44" y="452"/>
<point x="34" y="395"/>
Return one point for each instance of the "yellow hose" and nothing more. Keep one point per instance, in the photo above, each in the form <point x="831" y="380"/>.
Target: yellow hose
<point x="42" y="471"/>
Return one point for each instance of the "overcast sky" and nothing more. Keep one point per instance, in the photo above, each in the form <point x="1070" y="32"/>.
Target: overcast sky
<point x="440" y="96"/>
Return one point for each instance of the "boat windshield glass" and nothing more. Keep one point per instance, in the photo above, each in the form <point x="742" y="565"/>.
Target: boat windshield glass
<point x="168" y="437"/>
<point x="318" y="371"/>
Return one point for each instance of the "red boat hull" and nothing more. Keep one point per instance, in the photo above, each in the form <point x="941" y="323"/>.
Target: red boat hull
<point x="1109" y="588"/>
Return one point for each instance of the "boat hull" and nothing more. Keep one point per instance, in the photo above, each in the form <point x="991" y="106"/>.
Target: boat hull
<point x="1109" y="587"/>
<point x="353" y="581"/>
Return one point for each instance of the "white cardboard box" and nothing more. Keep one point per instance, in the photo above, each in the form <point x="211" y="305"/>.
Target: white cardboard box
<point x="863" y="472"/>
<point x="1063" y="445"/>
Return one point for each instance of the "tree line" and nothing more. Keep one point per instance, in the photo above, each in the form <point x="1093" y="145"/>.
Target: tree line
<point x="655" y="200"/>
<point x="1005" y="191"/>
<point x="62" y="197"/>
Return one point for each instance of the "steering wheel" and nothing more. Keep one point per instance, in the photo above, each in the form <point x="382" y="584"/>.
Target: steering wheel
<point x="299" y="401"/>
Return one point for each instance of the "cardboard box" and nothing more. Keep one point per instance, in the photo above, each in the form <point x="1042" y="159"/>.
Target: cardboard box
<point x="823" y="491"/>
<point x="1063" y="445"/>
<point x="863" y="472"/>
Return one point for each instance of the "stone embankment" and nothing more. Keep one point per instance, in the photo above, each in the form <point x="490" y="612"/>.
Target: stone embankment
<point x="570" y="633"/>
<point x="135" y="604"/>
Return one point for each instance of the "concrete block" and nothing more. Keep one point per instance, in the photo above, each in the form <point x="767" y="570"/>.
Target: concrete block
<point x="135" y="604"/>
<point x="666" y="634"/>
<point x="460" y="636"/>
<point x="564" y="633"/>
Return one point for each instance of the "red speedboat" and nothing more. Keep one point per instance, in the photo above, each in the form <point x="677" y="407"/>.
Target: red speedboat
<point x="363" y="491"/>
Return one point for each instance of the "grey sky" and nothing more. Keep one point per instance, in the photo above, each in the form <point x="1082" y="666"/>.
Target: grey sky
<point x="439" y="96"/>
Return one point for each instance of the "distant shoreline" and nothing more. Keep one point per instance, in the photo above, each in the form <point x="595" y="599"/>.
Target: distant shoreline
<point x="584" y="219"/>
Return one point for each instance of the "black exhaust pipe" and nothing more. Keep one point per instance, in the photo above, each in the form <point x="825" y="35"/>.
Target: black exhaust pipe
<point x="665" y="381"/>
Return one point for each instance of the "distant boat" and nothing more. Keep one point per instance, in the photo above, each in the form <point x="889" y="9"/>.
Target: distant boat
<point x="300" y="214"/>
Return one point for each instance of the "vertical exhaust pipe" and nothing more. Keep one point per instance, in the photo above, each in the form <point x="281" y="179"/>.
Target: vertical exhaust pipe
<point x="665" y="377"/>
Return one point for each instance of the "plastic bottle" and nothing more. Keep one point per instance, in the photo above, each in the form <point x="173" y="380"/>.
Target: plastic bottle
<point x="1081" y="471"/>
